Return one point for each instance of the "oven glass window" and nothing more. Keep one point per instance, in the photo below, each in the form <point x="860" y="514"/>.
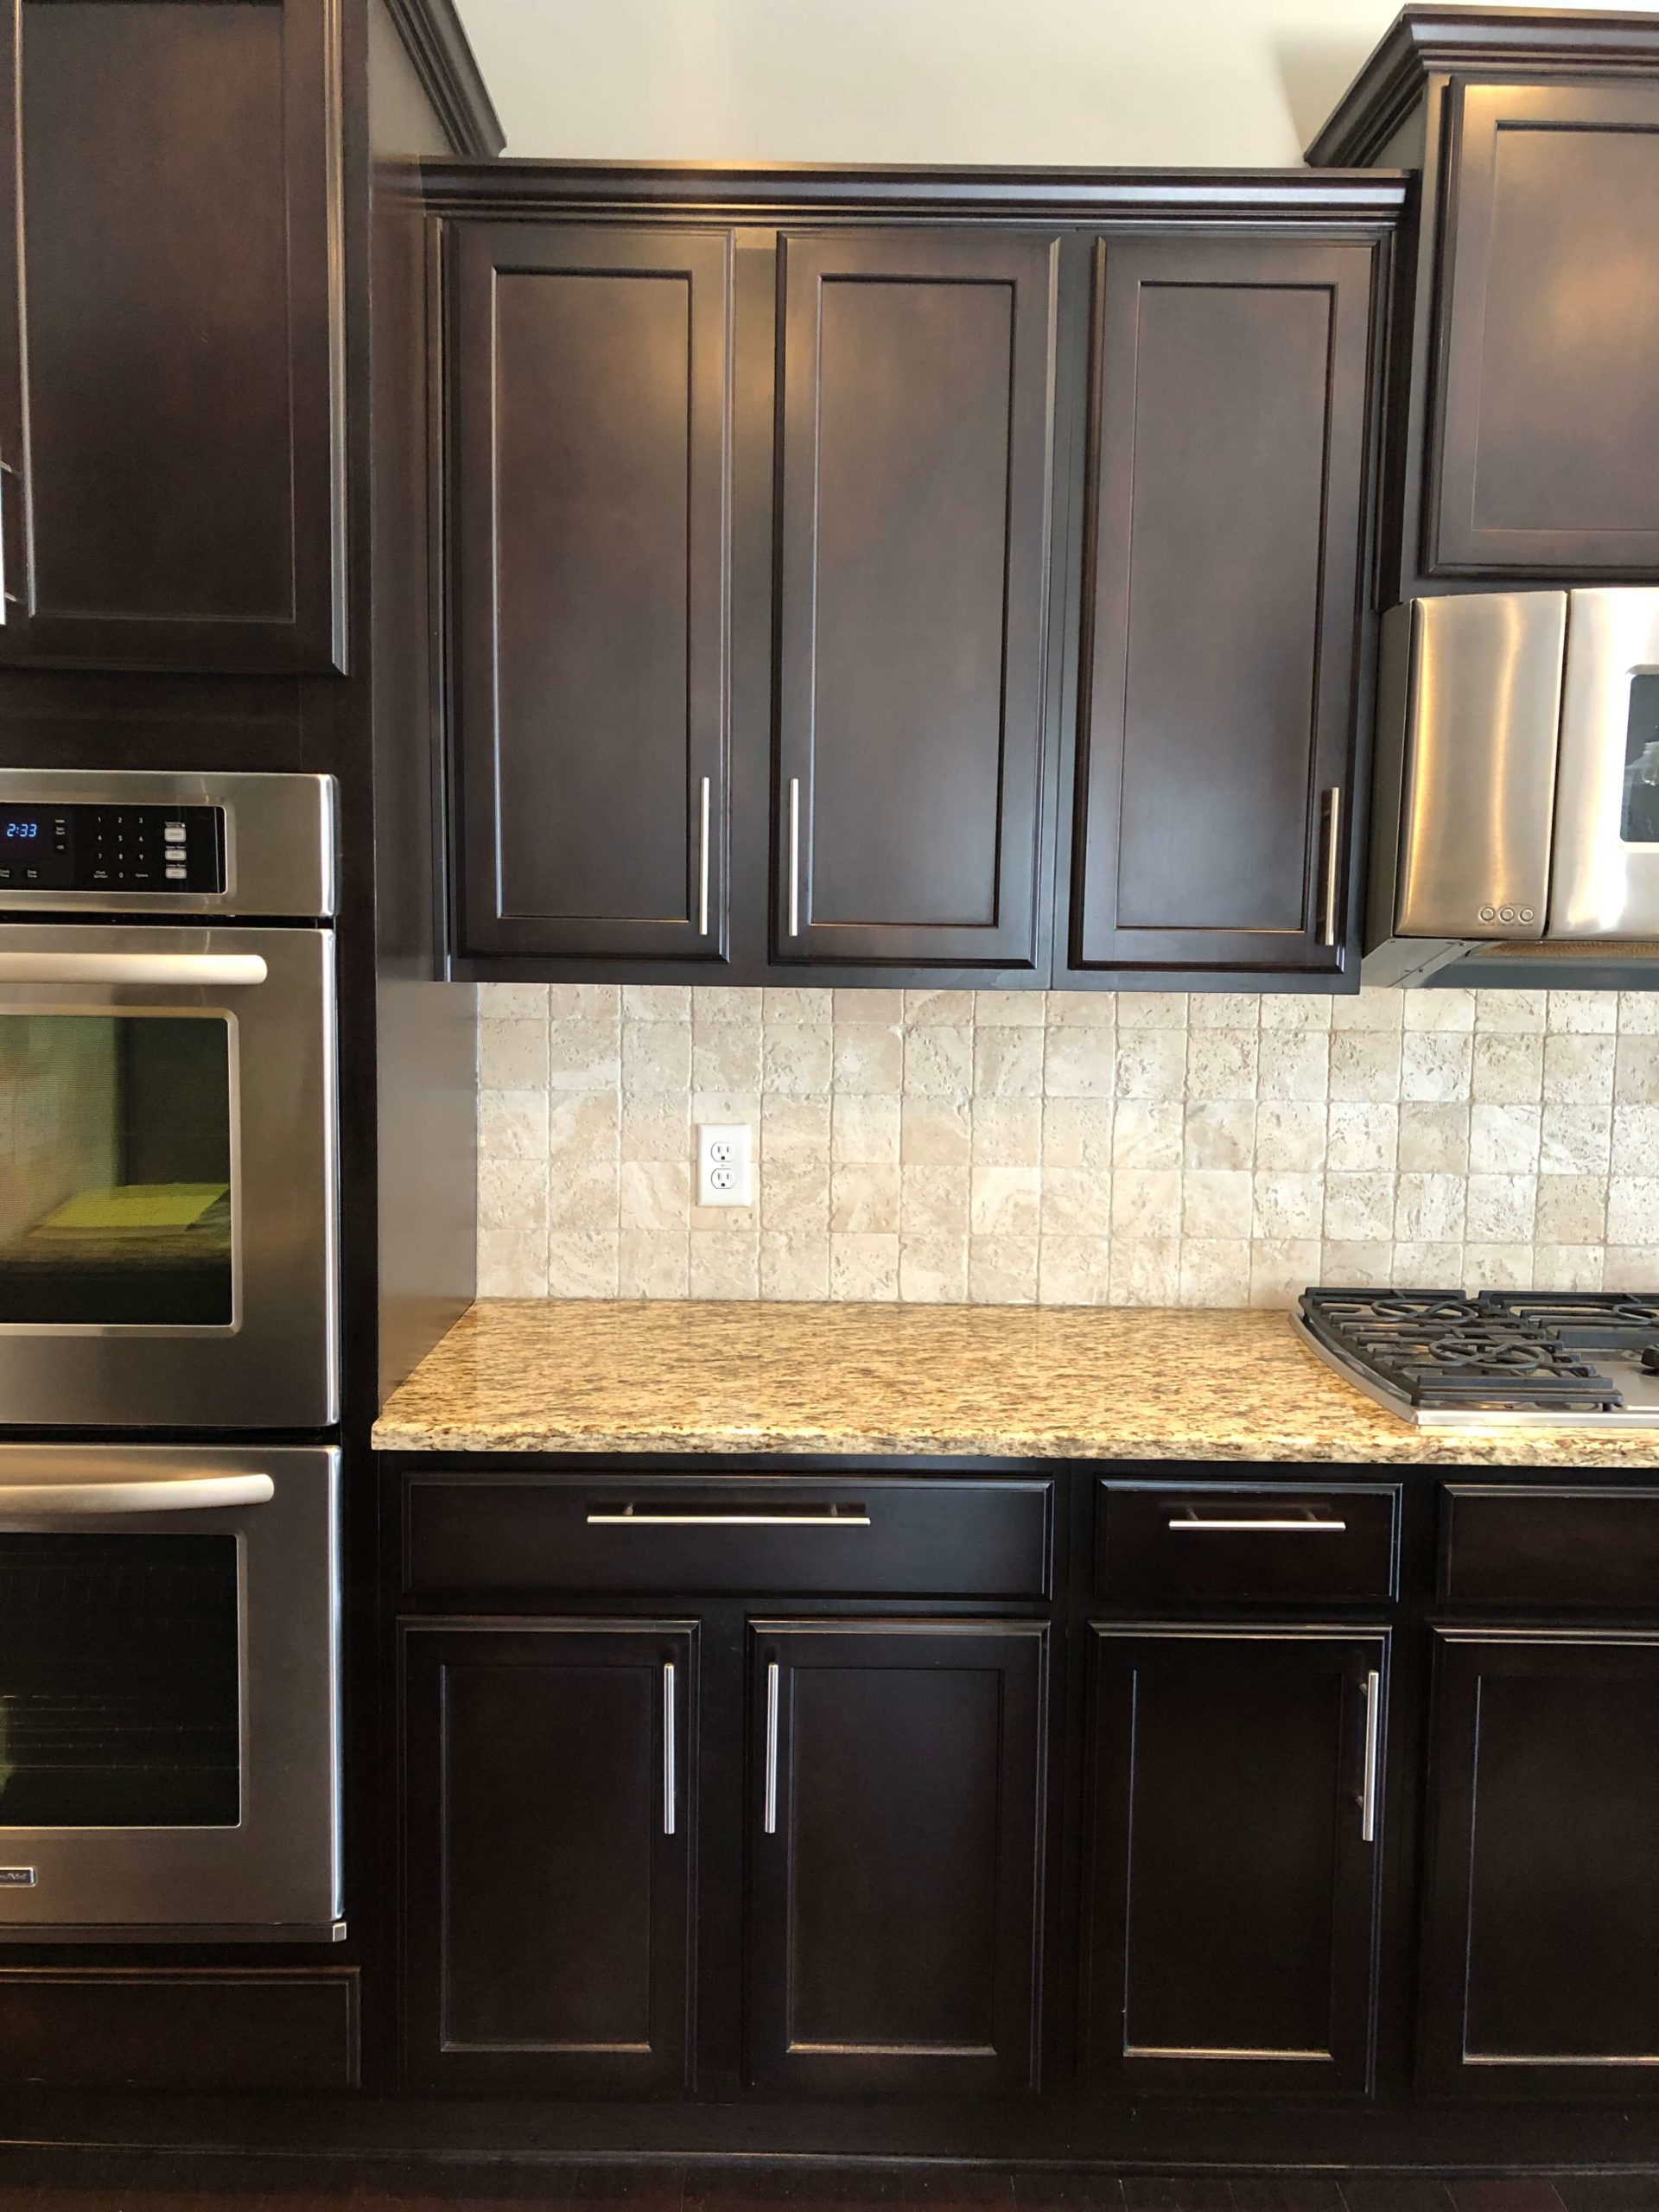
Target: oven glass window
<point x="1641" y="822"/>
<point x="114" y="1169"/>
<point x="119" y="1681"/>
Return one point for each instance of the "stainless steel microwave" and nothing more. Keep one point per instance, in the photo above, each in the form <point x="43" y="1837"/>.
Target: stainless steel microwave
<point x="1515" y="801"/>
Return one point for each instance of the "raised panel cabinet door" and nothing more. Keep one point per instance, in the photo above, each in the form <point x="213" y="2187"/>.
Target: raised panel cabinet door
<point x="590" y="459"/>
<point x="1545" y="454"/>
<point x="1540" y="1932"/>
<point x="914" y="497"/>
<point x="171" y="367"/>
<point x="1223" y="595"/>
<point x="1232" y="1884"/>
<point x="549" y="1810"/>
<point x="896" y="1822"/>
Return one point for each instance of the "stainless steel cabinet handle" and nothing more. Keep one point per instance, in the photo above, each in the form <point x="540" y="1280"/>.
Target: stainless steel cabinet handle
<point x="231" y="968"/>
<point x="1332" y="861"/>
<point x="1257" y="1527"/>
<point x="834" y="1516"/>
<point x="1373" y="1762"/>
<point x="794" y="856"/>
<point x="702" y="860"/>
<point x="770" y="1817"/>
<point x="190" y="1494"/>
<point x="5" y="597"/>
<point x="670" y="1788"/>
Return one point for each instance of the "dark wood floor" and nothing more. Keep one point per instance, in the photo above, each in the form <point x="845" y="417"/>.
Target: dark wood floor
<point x="54" y="2182"/>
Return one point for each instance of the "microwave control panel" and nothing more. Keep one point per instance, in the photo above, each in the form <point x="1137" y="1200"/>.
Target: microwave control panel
<point x="138" y="849"/>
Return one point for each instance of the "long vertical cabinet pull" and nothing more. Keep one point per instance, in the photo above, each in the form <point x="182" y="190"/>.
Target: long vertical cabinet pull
<point x="770" y="1810"/>
<point x="703" y="797"/>
<point x="1373" y="1759"/>
<point x="5" y="597"/>
<point x="1328" y="929"/>
<point x="794" y="856"/>
<point x="671" y="1779"/>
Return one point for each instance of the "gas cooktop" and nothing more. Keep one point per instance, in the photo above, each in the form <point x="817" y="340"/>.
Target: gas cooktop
<point x="1498" y="1359"/>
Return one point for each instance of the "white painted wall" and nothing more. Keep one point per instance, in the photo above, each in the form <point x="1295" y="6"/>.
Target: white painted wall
<point x="1209" y="83"/>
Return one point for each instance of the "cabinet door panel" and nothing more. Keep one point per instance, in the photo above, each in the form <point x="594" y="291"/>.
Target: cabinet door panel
<point x="591" y="463"/>
<point x="169" y="388"/>
<point x="1541" y="1967"/>
<point x="894" y="1909"/>
<point x="1546" y="457"/>
<point x="1230" y="1771"/>
<point x="547" y="1922"/>
<point x="1221" y="589"/>
<point x="915" y="498"/>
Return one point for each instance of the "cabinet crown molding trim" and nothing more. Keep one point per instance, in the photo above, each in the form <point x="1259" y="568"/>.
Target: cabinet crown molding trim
<point x="437" y="46"/>
<point x="1425" y="42"/>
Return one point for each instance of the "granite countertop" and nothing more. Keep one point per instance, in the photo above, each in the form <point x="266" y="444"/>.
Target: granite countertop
<point x="1019" y="1383"/>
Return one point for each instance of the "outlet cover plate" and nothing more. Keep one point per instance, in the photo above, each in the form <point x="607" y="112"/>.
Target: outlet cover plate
<point x="725" y="1170"/>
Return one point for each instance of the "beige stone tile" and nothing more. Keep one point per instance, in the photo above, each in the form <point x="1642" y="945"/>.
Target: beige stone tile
<point x="1368" y="1009"/>
<point x="583" y="1199"/>
<point x="938" y="1062"/>
<point x="1429" y="1209"/>
<point x="794" y="1131"/>
<point x="511" y="1261"/>
<point x="1145" y="1271"/>
<point x="1282" y="1268"/>
<point x="1566" y="1267"/>
<point x="864" y="1199"/>
<point x="1295" y="1064"/>
<point x="513" y="1194"/>
<point x="656" y="1002"/>
<point x="795" y="1193"/>
<point x="1636" y="1139"/>
<point x="1358" y="1209"/>
<point x="1152" y="1010"/>
<point x="582" y="1265"/>
<point x="512" y="1055"/>
<point x="655" y="1195"/>
<point x="723" y="1006"/>
<point x="1083" y="1062"/>
<point x="1431" y="1266"/>
<point x="1003" y="1270"/>
<point x="726" y="1056"/>
<point x="1078" y="1132"/>
<point x="1579" y="1070"/>
<point x="1633" y="1209"/>
<point x="1430" y="1011"/>
<point x="1221" y="1064"/>
<point x="1147" y="1203"/>
<point x="1509" y="1069"/>
<point x="1008" y="1132"/>
<point x="1636" y="1079"/>
<point x="1149" y="1064"/>
<point x="884" y="1008"/>
<point x="1368" y="1265"/>
<point x="1511" y="1012"/>
<point x="1008" y="1063"/>
<point x="1148" y="1132"/>
<point x="795" y="1059"/>
<point x="653" y="1265"/>
<point x="1219" y="1134"/>
<point x="864" y="1266"/>
<point x="1630" y="1267"/>
<point x="1290" y="1136"/>
<point x="1434" y="1138"/>
<point x="513" y="1003"/>
<point x="939" y="1009"/>
<point x="1074" y="1271"/>
<point x="1216" y="1204"/>
<point x="1010" y="1009"/>
<point x="1583" y="1013"/>
<point x="725" y="1106"/>
<point x="512" y="1124"/>
<point x="1505" y="1140"/>
<point x="582" y="1002"/>
<point x="796" y="1008"/>
<point x="869" y="1057"/>
<point x="1224" y="1010"/>
<point x="1498" y="1267"/>
<point x="795" y="1266"/>
<point x="935" y="1133"/>
<point x="1288" y="1206"/>
<point x="1638" y="1013"/>
<point x="1572" y="1209"/>
<point x="1077" y="1202"/>
<point x="724" y="1265"/>
<point x="655" y="1055"/>
<point x="1366" y="1066"/>
<point x="1004" y="1201"/>
<point x="656" y="1128"/>
<point x="1500" y="1209"/>
<point x="1363" y="1139"/>
<point x="1214" y="1271"/>
<point x="1576" y="1140"/>
<point x="933" y="1201"/>
<point x="933" y="1270"/>
<point x="584" y="1055"/>
<point x="1282" y="1010"/>
<point x="864" y="1131"/>
<point x="1081" y="1009"/>
<point x="1435" y="1065"/>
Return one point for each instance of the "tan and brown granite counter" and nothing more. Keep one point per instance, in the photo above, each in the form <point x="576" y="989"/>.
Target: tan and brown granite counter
<point x="995" y="1382"/>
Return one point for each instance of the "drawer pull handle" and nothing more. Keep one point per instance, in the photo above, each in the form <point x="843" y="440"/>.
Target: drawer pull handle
<point x="1373" y="1761"/>
<point x="1307" y="1528"/>
<point x="831" y="1517"/>
<point x="671" y="1788"/>
<point x="770" y="1814"/>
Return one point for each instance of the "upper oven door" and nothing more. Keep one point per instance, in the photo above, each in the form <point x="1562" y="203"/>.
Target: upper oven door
<point x="1604" y="868"/>
<point x="167" y="1177"/>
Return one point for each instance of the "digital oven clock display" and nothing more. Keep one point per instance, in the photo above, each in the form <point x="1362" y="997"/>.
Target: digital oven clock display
<point x="19" y="829"/>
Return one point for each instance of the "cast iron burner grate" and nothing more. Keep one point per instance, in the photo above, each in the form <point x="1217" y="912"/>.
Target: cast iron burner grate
<point x="1499" y="1351"/>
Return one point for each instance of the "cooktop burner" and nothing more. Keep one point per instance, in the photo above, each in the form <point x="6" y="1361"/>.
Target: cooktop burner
<point x="1443" y="1357"/>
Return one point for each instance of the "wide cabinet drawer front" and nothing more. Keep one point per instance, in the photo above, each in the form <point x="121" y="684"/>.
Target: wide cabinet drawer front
<point x="1550" y="1547"/>
<point x="791" y="1535"/>
<point x="1193" y="1544"/>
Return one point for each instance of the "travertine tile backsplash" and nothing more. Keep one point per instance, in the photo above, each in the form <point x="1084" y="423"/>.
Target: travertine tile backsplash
<point x="1150" y="1149"/>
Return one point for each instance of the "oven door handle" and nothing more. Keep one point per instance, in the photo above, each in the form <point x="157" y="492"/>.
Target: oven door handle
<point x="131" y="967"/>
<point x="188" y="1494"/>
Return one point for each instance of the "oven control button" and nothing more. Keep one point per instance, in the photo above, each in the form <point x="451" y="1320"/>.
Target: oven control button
<point x="173" y="832"/>
<point x="1526" y="913"/>
<point x="175" y="875"/>
<point x="1506" y="914"/>
<point x="1489" y="913"/>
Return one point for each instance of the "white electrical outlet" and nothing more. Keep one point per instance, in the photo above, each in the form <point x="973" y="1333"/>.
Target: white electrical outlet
<point x="724" y="1173"/>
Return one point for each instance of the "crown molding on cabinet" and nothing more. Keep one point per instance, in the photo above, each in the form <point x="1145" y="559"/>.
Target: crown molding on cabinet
<point x="437" y="46"/>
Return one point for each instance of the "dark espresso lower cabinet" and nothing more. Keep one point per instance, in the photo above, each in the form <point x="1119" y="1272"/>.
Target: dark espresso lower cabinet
<point x="1233" y="1876"/>
<point x="1541" y="1963"/>
<point x="549" y="1797"/>
<point x="896" y="1824"/>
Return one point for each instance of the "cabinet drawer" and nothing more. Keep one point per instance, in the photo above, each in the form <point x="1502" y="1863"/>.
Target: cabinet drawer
<point x="1554" y="1547"/>
<point x="1190" y="1544"/>
<point x="783" y="1536"/>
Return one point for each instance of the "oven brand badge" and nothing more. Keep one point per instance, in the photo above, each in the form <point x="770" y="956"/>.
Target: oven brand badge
<point x="16" y="1877"/>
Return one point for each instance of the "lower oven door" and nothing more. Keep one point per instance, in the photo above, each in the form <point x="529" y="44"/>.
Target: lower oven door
<point x="168" y="1207"/>
<point x="168" y="1691"/>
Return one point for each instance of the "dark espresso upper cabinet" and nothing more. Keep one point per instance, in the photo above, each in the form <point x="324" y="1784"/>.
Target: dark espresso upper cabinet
<point x="170" y="363"/>
<point x="589" y="539"/>
<point x="915" y="422"/>
<point x="1222" y="606"/>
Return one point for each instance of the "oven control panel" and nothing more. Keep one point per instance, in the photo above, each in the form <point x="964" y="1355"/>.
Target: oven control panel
<point x="85" y="848"/>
